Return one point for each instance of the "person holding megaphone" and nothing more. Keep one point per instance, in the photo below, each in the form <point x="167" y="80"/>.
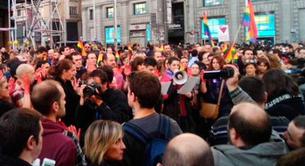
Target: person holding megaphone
<point x="176" y="105"/>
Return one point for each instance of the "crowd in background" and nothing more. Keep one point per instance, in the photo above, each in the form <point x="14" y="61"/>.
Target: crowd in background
<point x="83" y="95"/>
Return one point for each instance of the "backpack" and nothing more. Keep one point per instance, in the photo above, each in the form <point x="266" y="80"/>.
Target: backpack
<point x="155" y="143"/>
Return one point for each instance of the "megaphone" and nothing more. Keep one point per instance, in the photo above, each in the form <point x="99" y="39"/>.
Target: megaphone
<point x="180" y="77"/>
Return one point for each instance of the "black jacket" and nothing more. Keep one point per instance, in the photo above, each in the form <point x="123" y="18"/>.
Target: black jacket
<point x="90" y="112"/>
<point x="11" y="161"/>
<point x="117" y="101"/>
<point x="72" y="101"/>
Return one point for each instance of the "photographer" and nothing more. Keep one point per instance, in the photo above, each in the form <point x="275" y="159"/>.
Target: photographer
<point x="92" y="107"/>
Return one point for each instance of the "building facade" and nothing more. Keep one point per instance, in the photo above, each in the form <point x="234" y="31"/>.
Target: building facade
<point x="64" y="24"/>
<point x="3" y="24"/>
<point x="180" y="21"/>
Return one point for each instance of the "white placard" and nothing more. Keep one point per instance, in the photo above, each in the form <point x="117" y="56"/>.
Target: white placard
<point x="223" y="32"/>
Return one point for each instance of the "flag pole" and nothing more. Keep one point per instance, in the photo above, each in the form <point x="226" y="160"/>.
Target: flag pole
<point x="234" y="41"/>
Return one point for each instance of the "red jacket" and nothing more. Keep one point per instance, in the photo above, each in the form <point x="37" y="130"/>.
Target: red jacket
<point x="56" y="146"/>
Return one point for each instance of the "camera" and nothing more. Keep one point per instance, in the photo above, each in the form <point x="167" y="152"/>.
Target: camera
<point x="224" y="73"/>
<point x="92" y="89"/>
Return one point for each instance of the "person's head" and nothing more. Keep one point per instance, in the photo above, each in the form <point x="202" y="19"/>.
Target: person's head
<point x="137" y="64"/>
<point x="87" y="47"/>
<point x="144" y="90"/>
<point x="276" y="81"/>
<point x="100" y="78"/>
<point x="295" y="134"/>
<point x="255" y="88"/>
<point x="248" y="55"/>
<point x="260" y="53"/>
<point x="64" y="69"/>
<point x="48" y="98"/>
<point x="104" y="141"/>
<point x="91" y="58"/>
<point x="77" y="60"/>
<point x="249" y="125"/>
<point x="263" y="65"/>
<point x="250" y="69"/>
<point x="196" y="69"/>
<point x="150" y="64"/>
<point x="4" y="91"/>
<point x="184" y="63"/>
<point x="187" y="149"/>
<point x="158" y="56"/>
<point x="206" y="58"/>
<point x="110" y="60"/>
<point x="301" y="53"/>
<point x="64" y="50"/>
<point x="167" y="48"/>
<point x="25" y="70"/>
<point x="42" y="53"/>
<point x="21" y="134"/>
<point x="217" y="63"/>
<point x="109" y="71"/>
<point x="173" y="64"/>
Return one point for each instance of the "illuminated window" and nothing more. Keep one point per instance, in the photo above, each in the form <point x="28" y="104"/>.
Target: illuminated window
<point x="212" y="2"/>
<point x="109" y="35"/>
<point x="109" y="12"/>
<point x="139" y="8"/>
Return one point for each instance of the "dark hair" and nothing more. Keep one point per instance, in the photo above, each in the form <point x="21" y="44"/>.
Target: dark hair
<point x="219" y="59"/>
<point x="254" y="87"/>
<point x="41" y="50"/>
<point x="263" y="60"/>
<point x="58" y="69"/>
<point x="299" y="122"/>
<point x="251" y="132"/>
<point x="44" y="95"/>
<point x="100" y="74"/>
<point x="146" y="87"/>
<point x="16" y="126"/>
<point x="136" y="62"/>
<point x="293" y="158"/>
<point x="171" y="59"/>
<point x="150" y="61"/>
<point x="108" y="70"/>
<point x="277" y="81"/>
<point x="40" y="63"/>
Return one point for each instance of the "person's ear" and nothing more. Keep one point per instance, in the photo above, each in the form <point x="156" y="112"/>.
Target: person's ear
<point x="55" y="106"/>
<point x="31" y="143"/>
<point x="233" y="135"/>
<point x="265" y="97"/>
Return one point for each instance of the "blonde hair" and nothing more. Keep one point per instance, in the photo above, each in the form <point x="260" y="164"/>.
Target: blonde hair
<point x="99" y="137"/>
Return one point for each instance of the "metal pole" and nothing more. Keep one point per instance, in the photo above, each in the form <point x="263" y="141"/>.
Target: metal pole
<point x="9" y="19"/>
<point x="115" y="24"/>
<point x="15" y="22"/>
<point x="94" y="21"/>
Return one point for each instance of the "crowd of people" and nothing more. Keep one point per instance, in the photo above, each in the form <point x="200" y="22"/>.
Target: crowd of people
<point x="106" y="106"/>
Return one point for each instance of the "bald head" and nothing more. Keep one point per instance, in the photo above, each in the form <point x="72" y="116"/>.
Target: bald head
<point x="188" y="150"/>
<point x="251" y="124"/>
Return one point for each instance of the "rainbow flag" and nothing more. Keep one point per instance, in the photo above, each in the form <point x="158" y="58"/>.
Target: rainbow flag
<point x="249" y="23"/>
<point x="231" y="55"/>
<point x="207" y="29"/>
<point x="80" y="44"/>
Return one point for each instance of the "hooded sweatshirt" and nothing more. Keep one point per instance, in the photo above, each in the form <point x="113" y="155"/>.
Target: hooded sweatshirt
<point x="264" y="154"/>
<point x="56" y="146"/>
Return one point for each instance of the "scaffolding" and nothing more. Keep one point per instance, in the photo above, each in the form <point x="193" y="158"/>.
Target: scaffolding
<point x="44" y="28"/>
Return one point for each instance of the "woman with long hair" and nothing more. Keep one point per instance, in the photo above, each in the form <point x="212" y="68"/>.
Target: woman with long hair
<point x="284" y="97"/>
<point x="104" y="144"/>
<point x="64" y="72"/>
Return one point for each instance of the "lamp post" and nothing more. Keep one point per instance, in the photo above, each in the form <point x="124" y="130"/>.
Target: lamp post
<point x="115" y="24"/>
